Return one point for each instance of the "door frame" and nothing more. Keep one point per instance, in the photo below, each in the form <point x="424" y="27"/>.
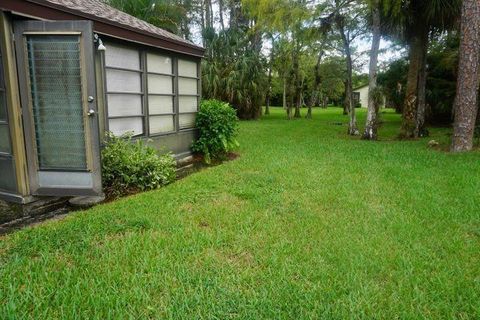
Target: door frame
<point x="83" y="29"/>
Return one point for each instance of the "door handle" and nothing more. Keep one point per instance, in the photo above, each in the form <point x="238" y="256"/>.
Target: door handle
<point x="91" y="112"/>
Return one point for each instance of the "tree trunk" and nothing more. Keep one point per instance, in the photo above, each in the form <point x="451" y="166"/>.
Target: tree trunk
<point x="269" y="91"/>
<point x="371" y="124"/>
<point x="297" y="86"/>
<point x="416" y="46"/>
<point x="316" y="86"/>
<point x="297" y="107"/>
<point x="202" y="22"/>
<point x="466" y="100"/>
<point x="346" y="102"/>
<point x="208" y="14"/>
<point x="352" y="124"/>
<point x="420" y="130"/>
<point x="220" y="14"/>
<point x="290" y="107"/>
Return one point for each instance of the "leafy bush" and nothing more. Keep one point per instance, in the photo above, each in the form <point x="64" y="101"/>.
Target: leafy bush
<point x="217" y="122"/>
<point x="131" y="166"/>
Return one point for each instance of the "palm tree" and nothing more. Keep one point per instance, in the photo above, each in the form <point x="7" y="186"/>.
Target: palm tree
<point x="466" y="100"/>
<point x="413" y="21"/>
<point x="168" y="15"/>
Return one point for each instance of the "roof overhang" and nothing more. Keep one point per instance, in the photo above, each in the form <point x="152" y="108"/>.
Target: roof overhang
<point x="43" y="10"/>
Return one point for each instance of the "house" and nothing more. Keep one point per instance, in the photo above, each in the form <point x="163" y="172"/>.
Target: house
<point x="71" y="70"/>
<point x="360" y="96"/>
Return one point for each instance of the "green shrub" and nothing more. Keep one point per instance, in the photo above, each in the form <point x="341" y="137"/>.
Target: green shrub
<point x="217" y="122"/>
<point x="131" y="166"/>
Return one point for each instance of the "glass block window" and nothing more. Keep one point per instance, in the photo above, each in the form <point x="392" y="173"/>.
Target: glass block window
<point x="188" y="93"/>
<point x="124" y="84"/>
<point x="161" y="94"/>
<point x="7" y="161"/>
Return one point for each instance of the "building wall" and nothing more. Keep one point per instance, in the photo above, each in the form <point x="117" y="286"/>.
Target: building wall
<point x="163" y="92"/>
<point x="364" y="97"/>
<point x="13" y="177"/>
<point x="14" y="182"/>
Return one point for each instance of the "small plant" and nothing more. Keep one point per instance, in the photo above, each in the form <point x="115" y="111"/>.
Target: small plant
<point x="217" y="122"/>
<point x="131" y="166"/>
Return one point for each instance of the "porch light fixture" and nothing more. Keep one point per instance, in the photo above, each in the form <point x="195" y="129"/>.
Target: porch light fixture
<point x="99" y="42"/>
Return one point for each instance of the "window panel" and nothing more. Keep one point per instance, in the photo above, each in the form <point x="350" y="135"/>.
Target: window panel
<point x="3" y="105"/>
<point x="126" y="125"/>
<point x="7" y="174"/>
<point x="160" y="104"/>
<point x="161" y="124"/>
<point x="187" y="86"/>
<point x="4" y="139"/>
<point x="160" y="84"/>
<point x="122" y="57"/>
<point x="187" y="68"/>
<point x="187" y="104"/>
<point x="124" y="105"/>
<point x="159" y="64"/>
<point x="123" y="81"/>
<point x="187" y="121"/>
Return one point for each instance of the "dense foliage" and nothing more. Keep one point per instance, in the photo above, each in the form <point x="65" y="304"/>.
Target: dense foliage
<point x="131" y="166"/>
<point x="299" y="53"/>
<point x="442" y="60"/>
<point x="217" y="123"/>
<point x="233" y="72"/>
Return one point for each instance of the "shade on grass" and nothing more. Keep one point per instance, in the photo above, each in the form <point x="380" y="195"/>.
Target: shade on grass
<point x="308" y="223"/>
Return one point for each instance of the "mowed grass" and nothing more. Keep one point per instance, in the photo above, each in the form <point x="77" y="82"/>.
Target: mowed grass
<point x="307" y="224"/>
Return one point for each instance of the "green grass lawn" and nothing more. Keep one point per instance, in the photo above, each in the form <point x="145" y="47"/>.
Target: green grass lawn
<point x="307" y="224"/>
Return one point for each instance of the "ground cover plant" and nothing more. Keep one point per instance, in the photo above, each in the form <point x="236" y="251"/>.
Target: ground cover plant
<point x="307" y="224"/>
<point x="132" y="166"/>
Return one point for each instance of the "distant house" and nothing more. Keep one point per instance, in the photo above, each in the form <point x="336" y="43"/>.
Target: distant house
<point x="70" y="70"/>
<point x="360" y="96"/>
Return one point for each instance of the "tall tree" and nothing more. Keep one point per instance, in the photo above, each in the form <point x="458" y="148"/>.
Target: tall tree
<point x="466" y="101"/>
<point x="270" y="71"/>
<point x="412" y="21"/>
<point x="317" y="81"/>
<point x="287" y="18"/>
<point x="370" y="132"/>
<point x="220" y="14"/>
<point x="348" y="20"/>
<point x="169" y="15"/>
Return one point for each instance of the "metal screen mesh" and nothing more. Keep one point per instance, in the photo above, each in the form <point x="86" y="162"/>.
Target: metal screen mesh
<point x="55" y="83"/>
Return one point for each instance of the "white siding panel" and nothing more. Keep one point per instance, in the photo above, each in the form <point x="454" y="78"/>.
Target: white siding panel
<point x="187" y="68"/>
<point x="122" y="57"/>
<point x="160" y="84"/>
<point x="123" y="125"/>
<point x="124" y="105"/>
<point x="123" y="81"/>
<point x="188" y="104"/>
<point x="187" y="86"/>
<point x="161" y="124"/>
<point x="159" y="64"/>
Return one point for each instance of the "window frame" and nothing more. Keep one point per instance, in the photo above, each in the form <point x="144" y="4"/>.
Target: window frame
<point x="198" y="95"/>
<point x="175" y="95"/>
<point x="142" y="94"/>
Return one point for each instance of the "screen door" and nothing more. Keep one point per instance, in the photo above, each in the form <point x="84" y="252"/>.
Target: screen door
<point x="57" y="80"/>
